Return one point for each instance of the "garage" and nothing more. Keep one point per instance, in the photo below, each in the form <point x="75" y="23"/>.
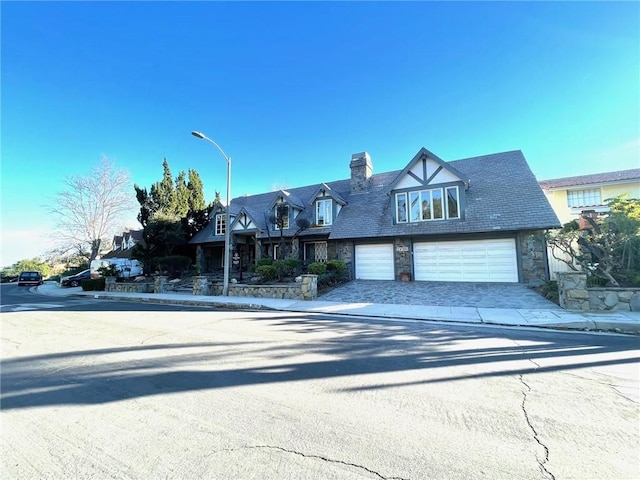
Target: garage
<point x="374" y="262"/>
<point x="466" y="261"/>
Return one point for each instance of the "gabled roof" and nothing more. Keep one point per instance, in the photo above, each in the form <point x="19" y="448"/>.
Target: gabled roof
<point x="424" y="153"/>
<point x="288" y="197"/>
<point x="502" y="195"/>
<point x="243" y="211"/>
<point x="326" y="191"/>
<point x="620" y="176"/>
<point x="134" y="234"/>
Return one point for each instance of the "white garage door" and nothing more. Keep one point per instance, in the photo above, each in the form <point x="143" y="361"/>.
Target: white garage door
<point x="374" y="262"/>
<point x="467" y="261"/>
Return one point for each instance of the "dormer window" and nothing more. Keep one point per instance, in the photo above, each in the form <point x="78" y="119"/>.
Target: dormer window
<point x="221" y="223"/>
<point x="324" y="212"/>
<point x="427" y="205"/>
<point x="281" y="214"/>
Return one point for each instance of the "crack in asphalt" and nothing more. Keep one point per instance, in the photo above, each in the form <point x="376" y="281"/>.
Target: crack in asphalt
<point x="523" y="405"/>
<point x="319" y="457"/>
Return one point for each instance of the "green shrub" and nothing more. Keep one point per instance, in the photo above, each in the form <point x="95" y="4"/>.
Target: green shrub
<point x="108" y="270"/>
<point x="330" y="279"/>
<point x="286" y="268"/>
<point x="266" y="272"/>
<point x="337" y="266"/>
<point x="317" y="268"/>
<point x="264" y="261"/>
<point x="174" y="265"/>
<point x="92" y="284"/>
<point x="549" y="291"/>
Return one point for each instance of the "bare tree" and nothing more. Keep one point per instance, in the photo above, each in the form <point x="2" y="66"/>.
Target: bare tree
<point x="91" y="208"/>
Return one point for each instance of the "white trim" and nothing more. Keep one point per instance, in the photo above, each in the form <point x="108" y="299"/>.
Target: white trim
<point x="328" y="212"/>
<point x="221" y="223"/>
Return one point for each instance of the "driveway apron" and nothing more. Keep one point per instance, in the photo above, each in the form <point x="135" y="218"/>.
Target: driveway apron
<point x="444" y="294"/>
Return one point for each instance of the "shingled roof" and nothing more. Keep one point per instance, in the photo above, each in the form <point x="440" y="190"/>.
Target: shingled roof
<point x="503" y="195"/>
<point x="621" y="176"/>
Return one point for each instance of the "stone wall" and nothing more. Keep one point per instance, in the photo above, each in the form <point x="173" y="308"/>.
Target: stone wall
<point x="134" y="287"/>
<point x="533" y="257"/>
<point x="574" y="295"/>
<point x="346" y="253"/>
<point x="622" y="299"/>
<point x="306" y="289"/>
<point x="402" y="259"/>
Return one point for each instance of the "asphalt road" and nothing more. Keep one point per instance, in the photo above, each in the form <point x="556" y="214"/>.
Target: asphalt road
<point x="210" y="394"/>
<point x="21" y="299"/>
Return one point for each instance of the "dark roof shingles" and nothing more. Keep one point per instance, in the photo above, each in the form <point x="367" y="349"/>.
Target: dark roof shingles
<point x="503" y="195"/>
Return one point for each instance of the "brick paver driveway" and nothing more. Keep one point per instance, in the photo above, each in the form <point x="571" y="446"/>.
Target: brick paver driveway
<point x="446" y="294"/>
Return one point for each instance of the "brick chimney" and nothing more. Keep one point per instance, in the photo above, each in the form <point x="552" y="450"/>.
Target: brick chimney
<point x="583" y="220"/>
<point x="360" y="172"/>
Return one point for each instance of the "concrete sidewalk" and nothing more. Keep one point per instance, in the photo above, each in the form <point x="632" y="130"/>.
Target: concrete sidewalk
<point x="620" y="322"/>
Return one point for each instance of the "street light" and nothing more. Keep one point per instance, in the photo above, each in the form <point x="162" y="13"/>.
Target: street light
<point x="227" y="228"/>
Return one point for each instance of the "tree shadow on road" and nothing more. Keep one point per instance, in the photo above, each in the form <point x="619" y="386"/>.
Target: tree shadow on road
<point x="304" y="348"/>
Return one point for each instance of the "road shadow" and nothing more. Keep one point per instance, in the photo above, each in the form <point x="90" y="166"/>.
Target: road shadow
<point x="324" y="347"/>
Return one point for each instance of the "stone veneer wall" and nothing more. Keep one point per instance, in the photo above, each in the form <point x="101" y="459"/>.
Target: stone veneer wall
<point x="574" y="295"/>
<point x="533" y="257"/>
<point x="346" y="253"/>
<point x="307" y="289"/>
<point x="402" y="259"/>
<point x="141" y="287"/>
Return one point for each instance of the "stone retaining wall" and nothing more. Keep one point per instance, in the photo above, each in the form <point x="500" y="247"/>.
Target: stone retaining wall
<point x="307" y="289"/>
<point x="574" y="295"/>
<point x="141" y="287"/>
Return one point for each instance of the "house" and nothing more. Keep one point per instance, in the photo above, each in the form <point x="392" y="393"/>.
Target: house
<point x="570" y="196"/>
<point x="479" y="219"/>
<point x="573" y="198"/>
<point x="122" y="245"/>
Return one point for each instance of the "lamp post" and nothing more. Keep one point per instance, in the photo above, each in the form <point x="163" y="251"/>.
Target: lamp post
<point x="227" y="228"/>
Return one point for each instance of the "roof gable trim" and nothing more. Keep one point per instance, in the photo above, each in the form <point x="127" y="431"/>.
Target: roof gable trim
<point x="424" y="155"/>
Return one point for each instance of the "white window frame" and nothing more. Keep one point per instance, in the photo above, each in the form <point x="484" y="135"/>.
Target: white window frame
<point x="400" y="209"/>
<point x="324" y="205"/>
<point x="275" y="214"/>
<point x="418" y="197"/>
<point x="446" y="201"/>
<point x="584" y="198"/>
<point x="221" y="223"/>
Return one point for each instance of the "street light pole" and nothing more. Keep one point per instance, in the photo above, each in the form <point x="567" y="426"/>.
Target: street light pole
<point x="227" y="228"/>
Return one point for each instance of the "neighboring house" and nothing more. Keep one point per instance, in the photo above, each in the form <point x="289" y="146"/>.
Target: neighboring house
<point x="480" y="219"/>
<point x="122" y="245"/>
<point x="585" y="195"/>
<point x="570" y="196"/>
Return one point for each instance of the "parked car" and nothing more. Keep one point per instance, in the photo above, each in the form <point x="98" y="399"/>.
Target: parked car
<point x="75" y="280"/>
<point x="29" y="278"/>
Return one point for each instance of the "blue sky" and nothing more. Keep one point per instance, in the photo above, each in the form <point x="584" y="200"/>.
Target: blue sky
<point x="290" y="90"/>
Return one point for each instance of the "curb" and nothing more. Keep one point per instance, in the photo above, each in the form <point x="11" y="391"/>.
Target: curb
<point x="590" y="325"/>
<point x="584" y="327"/>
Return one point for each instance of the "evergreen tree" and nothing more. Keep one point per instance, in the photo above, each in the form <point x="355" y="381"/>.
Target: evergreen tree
<point x="196" y="192"/>
<point x="163" y="193"/>
<point x="182" y="196"/>
<point x="148" y="207"/>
